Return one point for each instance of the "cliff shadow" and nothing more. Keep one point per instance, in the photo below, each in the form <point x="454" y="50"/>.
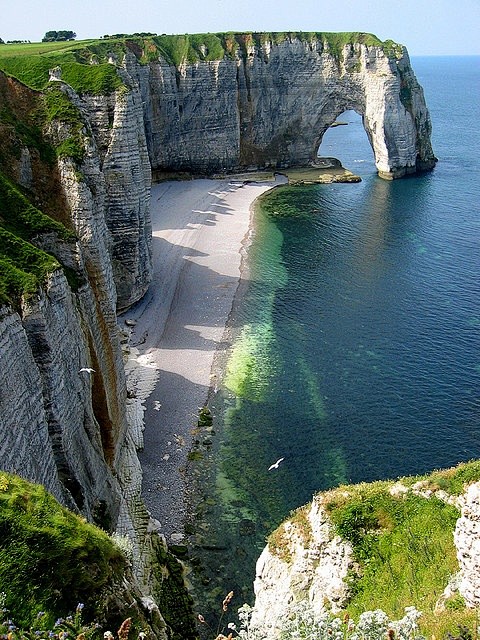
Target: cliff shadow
<point x="171" y="414"/>
<point x="188" y="302"/>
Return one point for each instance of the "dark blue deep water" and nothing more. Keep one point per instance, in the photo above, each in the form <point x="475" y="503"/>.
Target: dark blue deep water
<point x="356" y="338"/>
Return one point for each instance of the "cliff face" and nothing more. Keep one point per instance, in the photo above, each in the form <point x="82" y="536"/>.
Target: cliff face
<point x="265" y="104"/>
<point x="312" y="568"/>
<point x="78" y="419"/>
<point x="271" y="104"/>
<point x="117" y="126"/>
<point x="61" y="426"/>
<point x="467" y="542"/>
<point x="308" y="563"/>
<point x="103" y="196"/>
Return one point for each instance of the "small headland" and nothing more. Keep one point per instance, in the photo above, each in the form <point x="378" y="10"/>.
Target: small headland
<point x="324" y="171"/>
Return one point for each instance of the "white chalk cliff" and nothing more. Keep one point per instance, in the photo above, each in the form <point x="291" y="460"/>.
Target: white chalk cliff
<point x="467" y="542"/>
<point x="270" y="105"/>
<point x="312" y="567"/>
<point x="307" y="562"/>
<point x="62" y="426"/>
<point x="265" y="104"/>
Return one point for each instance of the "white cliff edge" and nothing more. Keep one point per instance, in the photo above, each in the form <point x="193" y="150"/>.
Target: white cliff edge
<point x="306" y="563"/>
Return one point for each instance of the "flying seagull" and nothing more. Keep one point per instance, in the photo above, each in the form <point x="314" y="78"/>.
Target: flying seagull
<point x="276" y="464"/>
<point x="87" y="370"/>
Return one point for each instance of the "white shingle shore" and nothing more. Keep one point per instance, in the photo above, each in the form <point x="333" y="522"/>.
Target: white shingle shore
<point x="199" y="230"/>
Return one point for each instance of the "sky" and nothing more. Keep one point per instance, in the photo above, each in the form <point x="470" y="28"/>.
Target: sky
<point x="425" y="27"/>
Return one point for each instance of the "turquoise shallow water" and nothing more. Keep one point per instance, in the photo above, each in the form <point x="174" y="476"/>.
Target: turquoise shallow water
<point x="356" y="340"/>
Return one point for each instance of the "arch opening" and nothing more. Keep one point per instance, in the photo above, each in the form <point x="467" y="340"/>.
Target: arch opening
<point x="347" y="140"/>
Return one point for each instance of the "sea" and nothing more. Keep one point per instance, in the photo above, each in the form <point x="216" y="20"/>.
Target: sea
<point x="354" y="338"/>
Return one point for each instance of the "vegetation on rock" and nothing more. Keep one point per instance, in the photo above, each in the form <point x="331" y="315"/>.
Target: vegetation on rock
<point x="59" y="107"/>
<point x="23" y="219"/>
<point x="24" y="267"/>
<point x="31" y="65"/>
<point x="50" y="558"/>
<point x="278" y="541"/>
<point x="403" y="544"/>
<point x="84" y="64"/>
<point x="401" y="533"/>
<point x="25" y="116"/>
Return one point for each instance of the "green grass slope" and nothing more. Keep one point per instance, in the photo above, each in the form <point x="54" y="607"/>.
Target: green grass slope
<point x="403" y="544"/>
<point x="28" y="213"/>
<point x="23" y="266"/>
<point x="50" y="558"/>
<point x="85" y="65"/>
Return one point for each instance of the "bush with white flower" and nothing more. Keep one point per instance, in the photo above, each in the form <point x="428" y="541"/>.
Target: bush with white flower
<point x="302" y="624"/>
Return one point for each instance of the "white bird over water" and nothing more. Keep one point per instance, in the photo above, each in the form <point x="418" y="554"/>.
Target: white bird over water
<point x="276" y="464"/>
<point x="87" y="370"/>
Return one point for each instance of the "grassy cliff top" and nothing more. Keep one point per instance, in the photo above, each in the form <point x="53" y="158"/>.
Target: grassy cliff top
<point x="401" y="533"/>
<point x="39" y="208"/>
<point x="85" y="65"/>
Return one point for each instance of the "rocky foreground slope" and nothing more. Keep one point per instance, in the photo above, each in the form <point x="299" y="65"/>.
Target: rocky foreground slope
<point x="80" y="133"/>
<point x="378" y="545"/>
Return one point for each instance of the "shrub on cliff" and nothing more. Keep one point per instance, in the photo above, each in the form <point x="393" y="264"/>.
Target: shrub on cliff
<point x="24" y="267"/>
<point x="50" y="558"/>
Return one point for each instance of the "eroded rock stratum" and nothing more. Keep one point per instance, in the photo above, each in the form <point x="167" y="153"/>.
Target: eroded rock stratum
<point x="271" y="103"/>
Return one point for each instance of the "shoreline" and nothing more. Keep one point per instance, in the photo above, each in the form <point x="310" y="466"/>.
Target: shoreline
<point x="178" y="331"/>
<point x="201" y="230"/>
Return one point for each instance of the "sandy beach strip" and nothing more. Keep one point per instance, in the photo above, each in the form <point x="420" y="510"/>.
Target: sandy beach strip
<point x="199" y="229"/>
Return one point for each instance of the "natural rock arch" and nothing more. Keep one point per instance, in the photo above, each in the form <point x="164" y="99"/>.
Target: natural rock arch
<point x="311" y="88"/>
<point x="271" y="104"/>
<point x="332" y="136"/>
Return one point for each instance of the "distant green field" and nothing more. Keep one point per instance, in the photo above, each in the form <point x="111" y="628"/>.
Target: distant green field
<point x="34" y="48"/>
<point x="30" y="63"/>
